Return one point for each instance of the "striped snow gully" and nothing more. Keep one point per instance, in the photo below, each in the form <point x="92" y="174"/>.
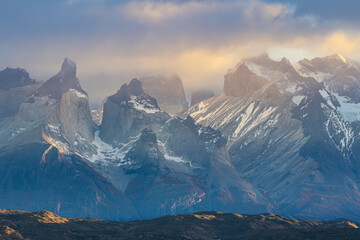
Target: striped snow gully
<point x="106" y="154"/>
<point x="235" y="116"/>
<point x="342" y="130"/>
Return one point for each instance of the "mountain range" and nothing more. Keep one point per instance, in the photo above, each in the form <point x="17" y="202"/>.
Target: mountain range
<point x="279" y="138"/>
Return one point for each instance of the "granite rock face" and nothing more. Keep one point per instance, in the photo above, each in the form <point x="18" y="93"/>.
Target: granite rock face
<point x="168" y="91"/>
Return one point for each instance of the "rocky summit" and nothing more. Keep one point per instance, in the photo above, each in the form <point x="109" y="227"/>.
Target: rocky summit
<point x="14" y="78"/>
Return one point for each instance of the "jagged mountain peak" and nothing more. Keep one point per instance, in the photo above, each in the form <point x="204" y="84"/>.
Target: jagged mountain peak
<point x="285" y="66"/>
<point x="68" y="67"/>
<point x="62" y="82"/>
<point x="337" y="56"/>
<point x="148" y="135"/>
<point x="248" y="81"/>
<point x="264" y="56"/>
<point x="264" y="63"/>
<point x="145" y="154"/>
<point x="121" y="95"/>
<point x="285" y="60"/>
<point x="134" y="95"/>
<point x="14" y="77"/>
<point x="127" y="111"/>
<point x="191" y="124"/>
<point x="135" y="87"/>
<point x="262" y="59"/>
<point x="335" y="63"/>
<point x="9" y="69"/>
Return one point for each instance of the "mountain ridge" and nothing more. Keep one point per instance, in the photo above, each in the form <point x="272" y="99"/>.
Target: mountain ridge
<point x="200" y="225"/>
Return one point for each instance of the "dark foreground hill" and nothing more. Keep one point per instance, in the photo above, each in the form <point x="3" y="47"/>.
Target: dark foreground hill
<point x="16" y="224"/>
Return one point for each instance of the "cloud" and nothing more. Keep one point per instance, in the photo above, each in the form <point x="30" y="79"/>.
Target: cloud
<point x="341" y="42"/>
<point x="114" y="41"/>
<point x="150" y="11"/>
<point x="156" y="12"/>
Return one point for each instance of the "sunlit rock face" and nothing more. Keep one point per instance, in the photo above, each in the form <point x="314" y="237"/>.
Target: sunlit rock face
<point x="293" y="131"/>
<point x="168" y="91"/>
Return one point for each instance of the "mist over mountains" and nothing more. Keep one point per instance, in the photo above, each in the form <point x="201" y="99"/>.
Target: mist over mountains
<point x="281" y="138"/>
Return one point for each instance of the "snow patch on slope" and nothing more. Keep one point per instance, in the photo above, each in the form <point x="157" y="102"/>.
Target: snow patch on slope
<point x="143" y="105"/>
<point x="318" y="76"/>
<point x="248" y="122"/>
<point x="350" y="111"/>
<point x="338" y="130"/>
<point x="297" y="99"/>
<point x="78" y="94"/>
<point x="168" y="155"/>
<point x="108" y="154"/>
<point x="327" y="98"/>
<point x="260" y="70"/>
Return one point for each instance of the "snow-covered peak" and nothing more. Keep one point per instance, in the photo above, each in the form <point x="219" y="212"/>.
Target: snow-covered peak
<point x="285" y="61"/>
<point x="78" y="93"/>
<point x="262" y="58"/>
<point x="144" y="104"/>
<point x="335" y="63"/>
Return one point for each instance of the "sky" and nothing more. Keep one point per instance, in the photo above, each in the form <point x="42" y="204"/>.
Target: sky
<point x="115" y="41"/>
